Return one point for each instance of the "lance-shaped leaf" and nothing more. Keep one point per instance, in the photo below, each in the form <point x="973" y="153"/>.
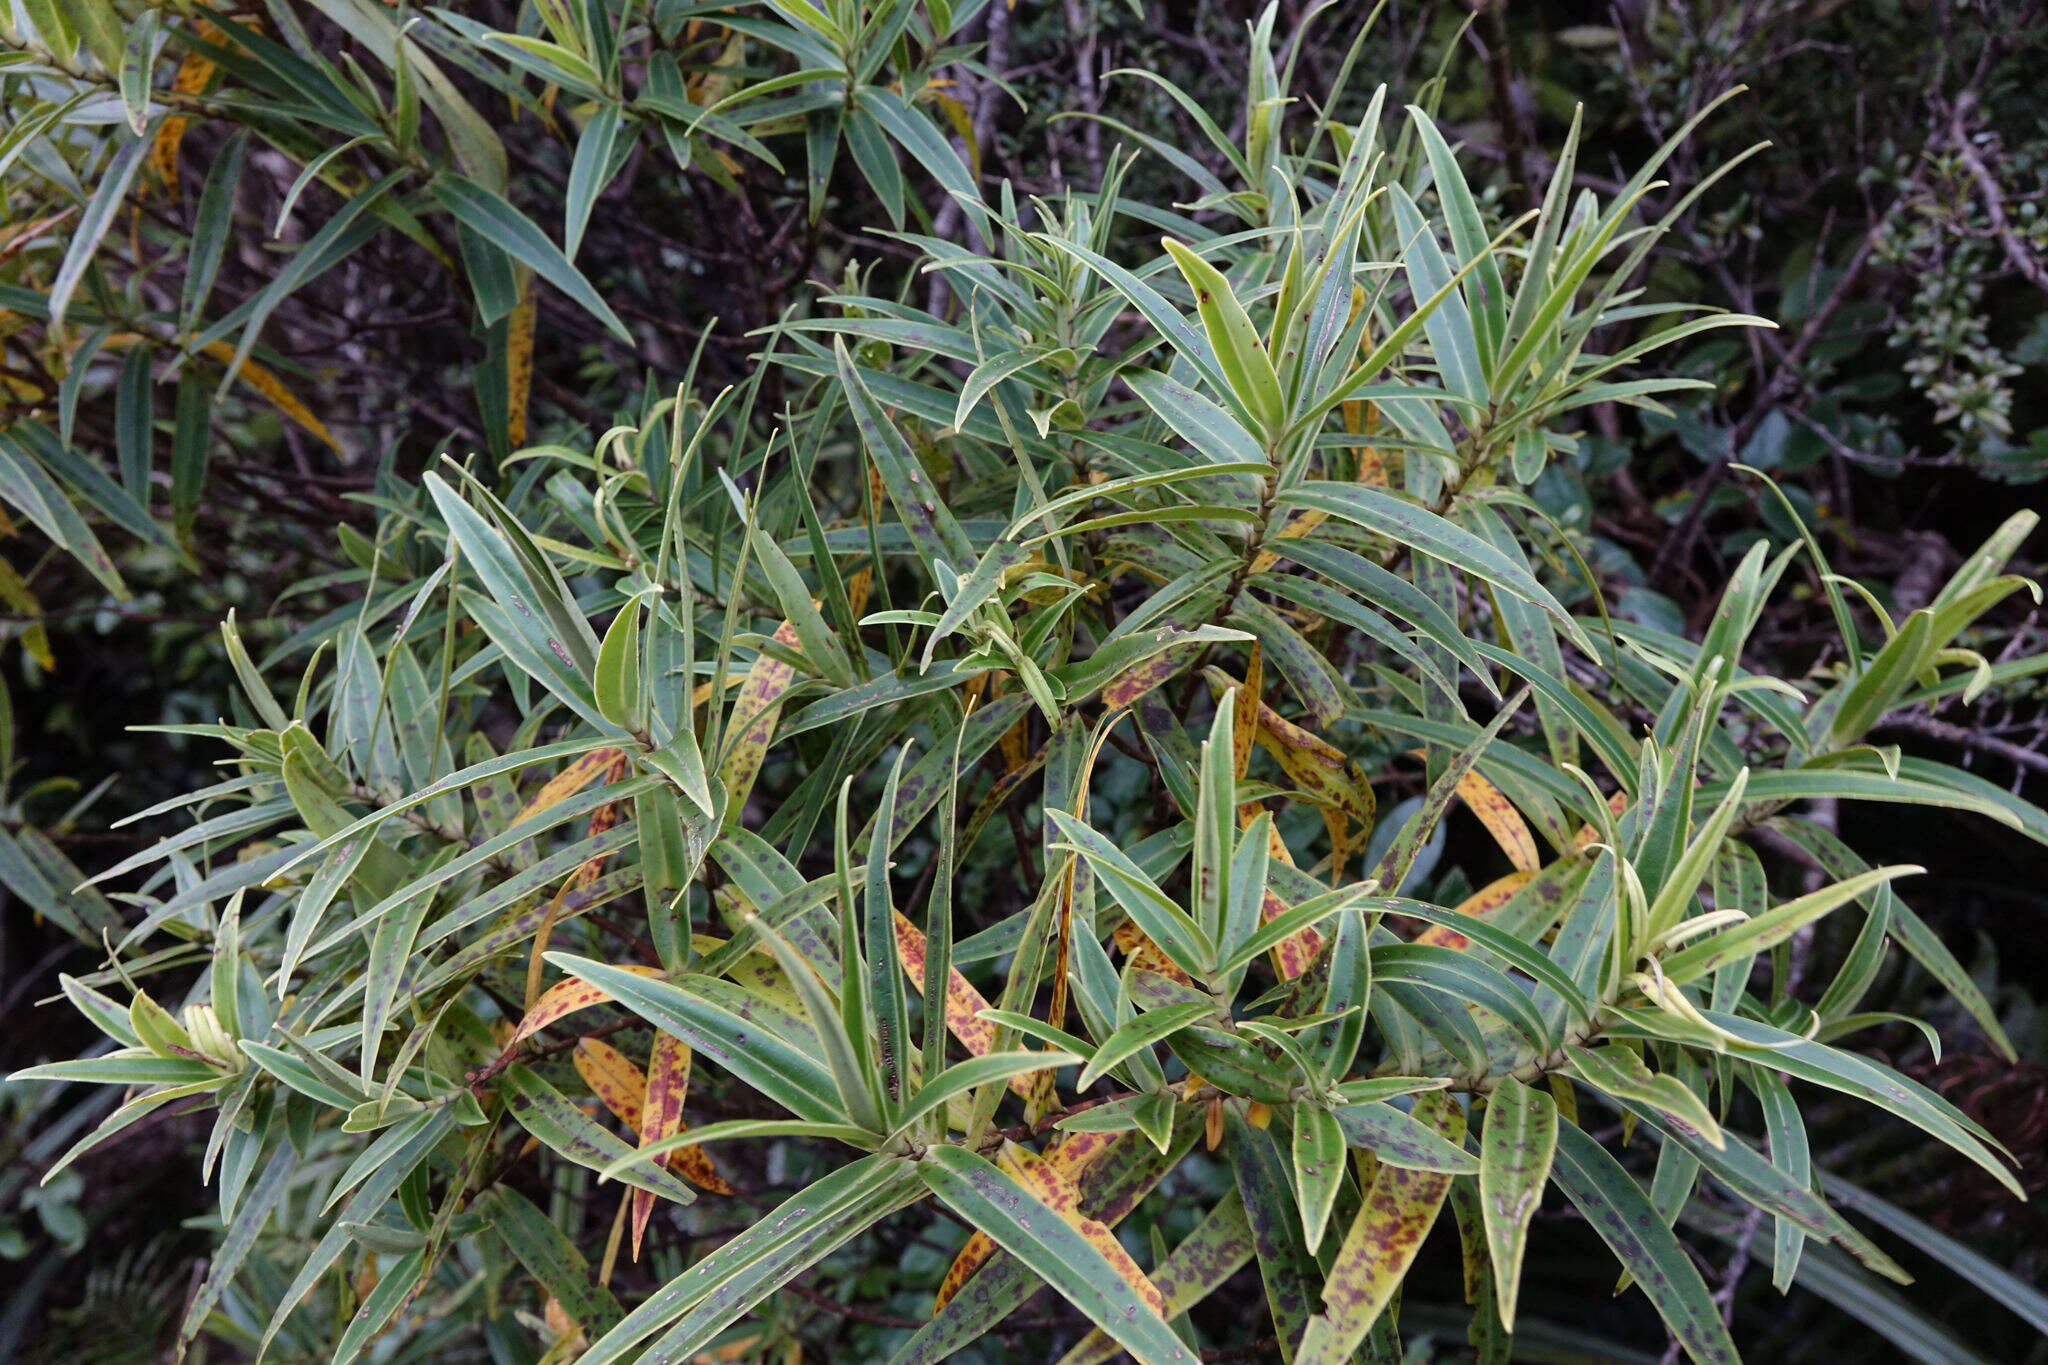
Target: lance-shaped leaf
<point x="1407" y="524"/>
<point x="1318" y="1168"/>
<point x="1749" y="1174"/>
<point x="802" y="1230"/>
<point x="1501" y="819"/>
<point x="1286" y="1264"/>
<point x="1141" y="1032"/>
<point x="1071" y="1156"/>
<point x="1151" y="909"/>
<point x="1622" y="1214"/>
<point x="751" y="728"/>
<point x="751" y="1052"/>
<point x="1397" y="1214"/>
<point x="551" y="1258"/>
<point x="1774" y="926"/>
<point x="486" y="213"/>
<point x="1218" y="1248"/>
<point x="1403" y="1140"/>
<point x="1515" y="1152"/>
<point x="546" y="1113"/>
<point x="1618" y="1071"/>
<point x="934" y="533"/>
<point x="1071" y="1261"/>
<point x="1235" y="341"/>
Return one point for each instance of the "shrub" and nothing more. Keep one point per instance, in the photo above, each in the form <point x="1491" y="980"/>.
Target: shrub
<point x="689" y="757"/>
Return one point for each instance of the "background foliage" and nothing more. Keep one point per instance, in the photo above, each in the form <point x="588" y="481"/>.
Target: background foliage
<point x="262" y="268"/>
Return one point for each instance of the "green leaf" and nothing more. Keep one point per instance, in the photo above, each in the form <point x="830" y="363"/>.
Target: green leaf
<point x="589" y="173"/>
<point x="546" y="1113"/>
<point x="1620" y="1072"/>
<point x="1399" y="1139"/>
<point x="1774" y="926"/>
<point x="491" y="218"/>
<point x="211" y="229"/>
<point x="108" y="194"/>
<point x="797" y="1233"/>
<point x="1286" y="1265"/>
<point x="1235" y="341"/>
<point x="1141" y="1032"/>
<point x="1515" y="1152"/>
<point x="748" y="1051"/>
<point x="930" y="524"/>
<point x="1618" y="1210"/>
<point x="29" y="490"/>
<point x="621" y="697"/>
<point x="1418" y="528"/>
<point x="1164" y="922"/>
<point x="1012" y="1215"/>
<point x="1884" y="679"/>
<point x="1318" y="1169"/>
<point x="551" y="1258"/>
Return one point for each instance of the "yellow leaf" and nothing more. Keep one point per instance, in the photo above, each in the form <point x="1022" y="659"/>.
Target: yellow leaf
<point x="1245" y="724"/>
<point x="1361" y="418"/>
<point x="753" y="720"/>
<point x="1145" y="955"/>
<point x="1315" y="766"/>
<point x="1501" y="819"/>
<point x="193" y="74"/>
<point x="1397" y="1214"/>
<point x="963" y="124"/>
<point x="15" y="592"/>
<point x="963" y="1003"/>
<point x="564" y="999"/>
<point x="1293" y="954"/>
<point x="1479" y="905"/>
<point x="568" y="782"/>
<point x="519" y="362"/>
<point x="1301" y="524"/>
<point x="613" y="1078"/>
<point x="661" y="1116"/>
<point x="273" y="388"/>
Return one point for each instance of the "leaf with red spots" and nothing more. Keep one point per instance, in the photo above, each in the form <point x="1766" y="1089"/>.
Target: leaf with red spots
<point x="1397" y="1214"/>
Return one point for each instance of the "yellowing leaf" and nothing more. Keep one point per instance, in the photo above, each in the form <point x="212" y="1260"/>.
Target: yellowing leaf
<point x="564" y="999"/>
<point x="1362" y="418"/>
<point x="963" y="124"/>
<point x="1245" y="724"/>
<point x="1292" y="955"/>
<point x="1055" y="1188"/>
<point x="1479" y="905"/>
<point x="613" y="1078"/>
<point x="568" y="782"/>
<point x="519" y="362"/>
<point x="1145" y="955"/>
<point x="857" y="589"/>
<point x="193" y="74"/>
<point x="1072" y="1154"/>
<point x="1501" y="819"/>
<point x="753" y="720"/>
<point x="964" y="1004"/>
<point x="1397" y="1214"/>
<point x="1315" y="766"/>
<point x="1140" y="678"/>
<point x="1301" y="524"/>
<point x="661" y="1116"/>
<point x="273" y="389"/>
